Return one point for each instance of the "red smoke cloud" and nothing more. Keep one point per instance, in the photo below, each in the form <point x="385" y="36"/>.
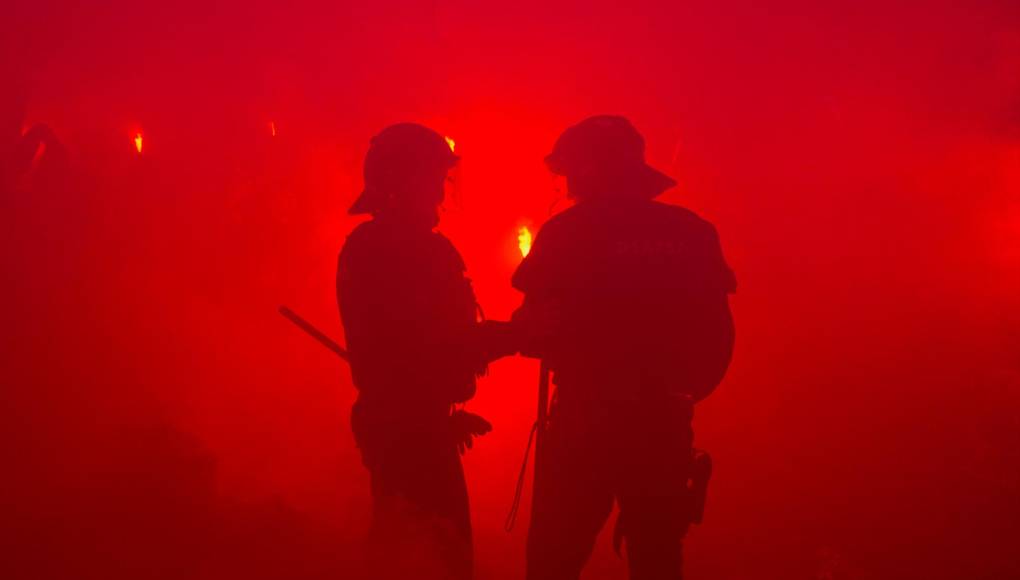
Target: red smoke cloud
<point x="860" y="162"/>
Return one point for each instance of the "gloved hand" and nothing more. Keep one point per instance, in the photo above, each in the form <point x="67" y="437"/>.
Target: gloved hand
<point x="465" y="427"/>
<point x="496" y="339"/>
<point x="536" y="326"/>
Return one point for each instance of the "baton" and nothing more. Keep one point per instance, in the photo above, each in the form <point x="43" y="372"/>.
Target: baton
<point x="315" y="333"/>
<point x="543" y="412"/>
<point x="536" y="436"/>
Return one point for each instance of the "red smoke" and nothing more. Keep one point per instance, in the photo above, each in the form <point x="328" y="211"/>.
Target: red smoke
<point x="861" y="162"/>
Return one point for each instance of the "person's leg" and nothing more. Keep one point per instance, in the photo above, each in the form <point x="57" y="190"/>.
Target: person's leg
<point x="655" y="550"/>
<point x="654" y="499"/>
<point x="440" y="492"/>
<point x="570" y="504"/>
<point x="421" y="521"/>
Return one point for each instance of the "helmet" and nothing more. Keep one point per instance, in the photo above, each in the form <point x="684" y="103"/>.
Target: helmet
<point x="399" y="155"/>
<point x="607" y="146"/>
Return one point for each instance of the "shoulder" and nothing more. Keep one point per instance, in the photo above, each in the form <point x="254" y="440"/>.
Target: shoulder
<point x="681" y="216"/>
<point x="370" y="240"/>
<point x="555" y="243"/>
<point x="362" y="234"/>
<point x="686" y="229"/>
<point x="446" y="252"/>
<point x="565" y="220"/>
<point x="684" y="225"/>
<point x="701" y="236"/>
<point x="566" y="229"/>
<point x="359" y="242"/>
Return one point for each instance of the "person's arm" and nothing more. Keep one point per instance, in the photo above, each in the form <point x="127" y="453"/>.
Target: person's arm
<point x="710" y="353"/>
<point x="535" y="322"/>
<point x="712" y="322"/>
<point x="496" y="339"/>
<point x="534" y="325"/>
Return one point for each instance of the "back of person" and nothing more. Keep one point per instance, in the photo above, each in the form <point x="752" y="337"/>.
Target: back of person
<point x="632" y="281"/>
<point x="409" y="317"/>
<point x="626" y="301"/>
<point x="406" y="307"/>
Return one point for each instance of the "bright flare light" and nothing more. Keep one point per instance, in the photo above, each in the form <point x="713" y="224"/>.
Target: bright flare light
<point x="138" y="142"/>
<point x="272" y="129"/>
<point x="524" y="241"/>
<point x="452" y="144"/>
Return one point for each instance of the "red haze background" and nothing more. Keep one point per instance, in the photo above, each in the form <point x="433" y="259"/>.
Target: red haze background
<point x="860" y="159"/>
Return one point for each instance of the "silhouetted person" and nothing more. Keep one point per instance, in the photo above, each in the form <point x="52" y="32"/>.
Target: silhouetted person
<point x="31" y="157"/>
<point x="44" y="205"/>
<point x="410" y="319"/>
<point x="626" y="301"/>
<point x="41" y="159"/>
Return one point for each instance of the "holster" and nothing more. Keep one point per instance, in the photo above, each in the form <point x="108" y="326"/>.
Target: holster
<point x="696" y="493"/>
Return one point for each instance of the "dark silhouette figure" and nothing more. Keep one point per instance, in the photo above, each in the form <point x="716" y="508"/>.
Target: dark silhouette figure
<point x="416" y="346"/>
<point x="35" y="160"/>
<point x="626" y="302"/>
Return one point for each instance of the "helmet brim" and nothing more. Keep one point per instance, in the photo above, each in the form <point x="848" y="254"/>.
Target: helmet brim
<point x="650" y="181"/>
<point x="360" y="206"/>
<point x="366" y="203"/>
<point x="655" y="182"/>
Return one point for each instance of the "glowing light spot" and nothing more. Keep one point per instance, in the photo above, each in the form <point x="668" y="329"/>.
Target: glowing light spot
<point x="138" y="142"/>
<point x="524" y="241"/>
<point x="452" y="144"/>
<point x="272" y="128"/>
